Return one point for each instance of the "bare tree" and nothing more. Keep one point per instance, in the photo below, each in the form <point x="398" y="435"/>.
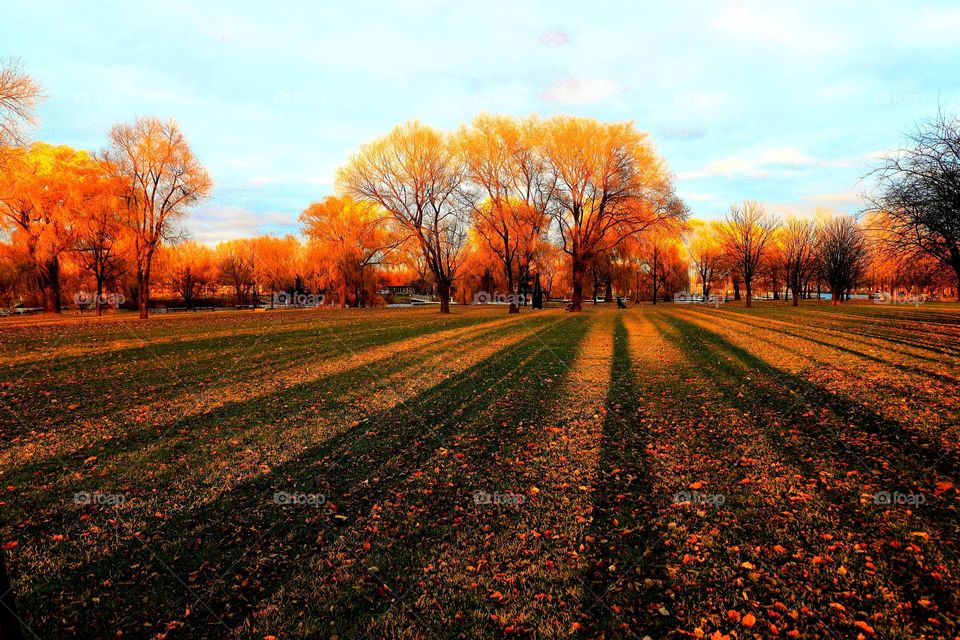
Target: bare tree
<point x="19" y="94"/>
<point x="415" y="175"/>
<point x="162" y="179"/>
<point x="843" y="255"/>
<point x="746" y="236"/>
<point x="918" y="193"/>
<point x="799" y="254"/>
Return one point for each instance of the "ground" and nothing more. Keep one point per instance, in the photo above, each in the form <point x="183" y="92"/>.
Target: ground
<point x="670" y="471"/>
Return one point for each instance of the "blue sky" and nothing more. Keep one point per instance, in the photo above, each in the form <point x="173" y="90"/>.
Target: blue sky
<point x="777" y="102"/>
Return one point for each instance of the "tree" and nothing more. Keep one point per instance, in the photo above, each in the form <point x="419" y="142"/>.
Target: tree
<point x="19" y="94"/>
<point x="509" y="191"/>
<point x="188" y="269"/>
<point x="918" y="193"/>
<point x="843" y="255"/>
<point x="610" y="185"/>
<point x="99" y="239"/>
<point x="799" y="243"/>
<point x="350" y="237"/>
<point x="43" y="194"/>
<point x="706" y="254"/>
<point x="162" y="180"/>
<point x="660" y="258"/>
<point x="414" y="173"/>
<point x="236" y="267"/>
<point x="747" y="233"/>
<point x="276" y="264"/>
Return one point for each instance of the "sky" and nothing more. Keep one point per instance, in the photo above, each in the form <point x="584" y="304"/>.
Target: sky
<point x="786" y="104"/>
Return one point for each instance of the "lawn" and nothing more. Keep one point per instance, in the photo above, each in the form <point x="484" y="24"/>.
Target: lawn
<point x="670" y="471"/>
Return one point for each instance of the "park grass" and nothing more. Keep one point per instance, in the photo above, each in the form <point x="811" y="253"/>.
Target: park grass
<point x="665" y="471"/>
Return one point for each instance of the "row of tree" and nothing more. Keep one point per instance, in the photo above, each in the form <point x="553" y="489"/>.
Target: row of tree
<point x="503" y="205"/>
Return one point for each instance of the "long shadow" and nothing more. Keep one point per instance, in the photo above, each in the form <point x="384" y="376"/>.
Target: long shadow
<point x="624" y="583"/>
<point x="895" y="462"/>
<point x="219" y="360"/>
<point x="240" y="548"/>
<point x="893" y="336"/>
<point x="835" y="347"/>
<point x="914" y="451"/>
<point x="234" y="420"/>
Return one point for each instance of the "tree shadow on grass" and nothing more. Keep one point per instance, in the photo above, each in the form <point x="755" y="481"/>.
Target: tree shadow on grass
<point x="626" y="574"/>
<point x="97" y="384"/>
<point x="918" y="457"/>
<point x="239" y="549"/>
<point x="176" y="438"/>
<point x="812" y="429"/>
<point x="946" y="379"/>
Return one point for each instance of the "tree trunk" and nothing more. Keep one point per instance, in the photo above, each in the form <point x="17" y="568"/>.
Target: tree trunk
<point x="143" y="293"/>
<point x="50" y="286"/>
<point x="10" y="628"/>
<point x="99" y="299"/>
<point x="608" y="290"/>
<point x="443" y="289"/>
<point x="512" y="300"/>
<point x="736" y="289"/>
<point x="653" y="273"/>
<point x="796" y="296"/>
<point x="579" y="271"/>
<point x="749" y="287"/>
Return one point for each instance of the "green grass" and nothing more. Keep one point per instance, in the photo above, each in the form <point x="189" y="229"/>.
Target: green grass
<point x="780" y="424"/>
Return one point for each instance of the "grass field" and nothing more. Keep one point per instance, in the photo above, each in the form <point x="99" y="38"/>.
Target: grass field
<point x="662" y="471"/>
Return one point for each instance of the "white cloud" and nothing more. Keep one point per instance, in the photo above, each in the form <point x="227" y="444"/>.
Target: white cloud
<point x="726" y="167"/>
<point x="785" y="155"/>
<point x="777" y="26"/>
<point x="572" y="90"/>
<point x="212" y="224"/>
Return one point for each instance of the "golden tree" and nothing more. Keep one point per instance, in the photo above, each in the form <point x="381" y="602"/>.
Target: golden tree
<point x="610" y="186"/>
<point x="350" y="237"/>
<point x="162" y="180"/>
<point x="44" y="192"/>
<point x="509" y="189"/>
<point x="414" y="174"/>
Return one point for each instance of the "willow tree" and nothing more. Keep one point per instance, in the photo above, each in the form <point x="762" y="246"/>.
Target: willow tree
<point x="47" y="193"/>
<point x="509" y="190"/>
<point x="610" y="186"/>
<point x="349" y="238"/>
<point x="415" y="174"/>
<point x="162" y="179"/>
